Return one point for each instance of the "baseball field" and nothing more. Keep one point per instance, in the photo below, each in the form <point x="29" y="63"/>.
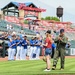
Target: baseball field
<point x="35" y="67"/>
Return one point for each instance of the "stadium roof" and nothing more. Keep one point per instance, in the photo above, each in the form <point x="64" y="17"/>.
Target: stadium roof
<point x="16" y="4"/>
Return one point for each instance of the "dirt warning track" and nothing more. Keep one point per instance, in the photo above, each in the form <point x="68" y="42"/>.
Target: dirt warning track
<point x="6" y="58"/>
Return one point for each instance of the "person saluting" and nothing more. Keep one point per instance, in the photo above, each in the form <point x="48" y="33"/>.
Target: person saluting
<point x="61" y="42"/>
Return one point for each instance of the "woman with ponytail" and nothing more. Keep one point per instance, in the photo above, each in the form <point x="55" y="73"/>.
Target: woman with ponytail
<point x="48" y="50"/>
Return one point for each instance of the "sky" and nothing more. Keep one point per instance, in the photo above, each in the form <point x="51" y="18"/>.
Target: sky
<point x="50" y="6"/>
<point x="68" y="5"/>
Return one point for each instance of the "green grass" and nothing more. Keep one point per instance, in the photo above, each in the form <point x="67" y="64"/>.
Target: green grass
<point x="34" y="67"/>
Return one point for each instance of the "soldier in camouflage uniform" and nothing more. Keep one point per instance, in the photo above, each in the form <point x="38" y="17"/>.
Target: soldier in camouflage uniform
<point x="61" y="41"/>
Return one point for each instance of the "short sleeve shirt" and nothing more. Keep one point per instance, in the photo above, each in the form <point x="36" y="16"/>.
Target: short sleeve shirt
<point x="49" y="43"/>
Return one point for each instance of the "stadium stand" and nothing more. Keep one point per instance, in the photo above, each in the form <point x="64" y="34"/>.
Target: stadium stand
<point x="17" y="29"/>
<point x="3" y="27"/>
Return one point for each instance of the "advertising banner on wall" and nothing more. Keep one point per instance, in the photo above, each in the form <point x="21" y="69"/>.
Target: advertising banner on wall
<point x="12" y="19"/>
<point x="72" y="51"/>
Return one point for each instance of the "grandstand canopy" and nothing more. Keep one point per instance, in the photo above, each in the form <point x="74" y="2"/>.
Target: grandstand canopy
<point x="12" y="8"/>
<point x="16" y="4"/>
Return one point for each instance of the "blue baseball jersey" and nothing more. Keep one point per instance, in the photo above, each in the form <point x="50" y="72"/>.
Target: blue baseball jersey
<point x="19" y="42"/>
<point x="13" y="43"/>
<point x="38" y="42"/>
<point x="24" y="44"/>
<point x="32" y="42"/>
<point x="9" y="44"/>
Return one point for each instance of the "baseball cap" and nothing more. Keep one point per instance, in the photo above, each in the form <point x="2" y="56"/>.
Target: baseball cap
<point x="49" y="32"/>
<point x="61" y="30"/>
<point x="24" y="36"/>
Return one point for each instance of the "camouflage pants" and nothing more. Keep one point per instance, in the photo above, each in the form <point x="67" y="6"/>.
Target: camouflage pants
<point x="59" y="53"/>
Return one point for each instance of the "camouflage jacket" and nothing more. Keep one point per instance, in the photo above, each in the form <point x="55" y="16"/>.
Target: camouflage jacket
<point x="61" y="43"/>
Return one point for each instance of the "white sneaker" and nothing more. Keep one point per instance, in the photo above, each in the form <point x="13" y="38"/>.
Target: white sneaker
<point x="17" y="59"/>
<point x="31" y="59"/>
<point x="37" y="58"/>
<point x="47" y="70"/>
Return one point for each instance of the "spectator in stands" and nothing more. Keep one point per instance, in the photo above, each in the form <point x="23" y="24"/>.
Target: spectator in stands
<point x="33" y="27"/>
<point x="8" y="27"/>
<point x="6" y="36"/>
<point x="29" y="23"/>
<point x="36" y="28"/>
<point x="11" y="27"/>
<point x="3" y="35"/>
<point x="13" y="33"/>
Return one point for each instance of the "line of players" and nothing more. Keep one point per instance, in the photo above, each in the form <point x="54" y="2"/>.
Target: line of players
<point x="18" y="47"/>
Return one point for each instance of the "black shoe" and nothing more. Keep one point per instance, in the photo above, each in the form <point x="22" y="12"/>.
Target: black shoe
<point x="53" y="68"/>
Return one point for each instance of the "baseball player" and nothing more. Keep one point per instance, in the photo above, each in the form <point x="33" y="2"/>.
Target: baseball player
<point x="24" y="44"/>
<point x="31" y="48"/>
<point x="9" y="50"/>
<point x="12" y="48"/>
<point x="19" y="48"/>
<point x="38" y="45"/>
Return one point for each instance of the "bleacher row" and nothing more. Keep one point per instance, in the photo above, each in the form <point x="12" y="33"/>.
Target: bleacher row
<point x="43" y="26"/>
<point x="17" y="29"/>
<point x="70" y="31"/>
<point x="3" y="27"/>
